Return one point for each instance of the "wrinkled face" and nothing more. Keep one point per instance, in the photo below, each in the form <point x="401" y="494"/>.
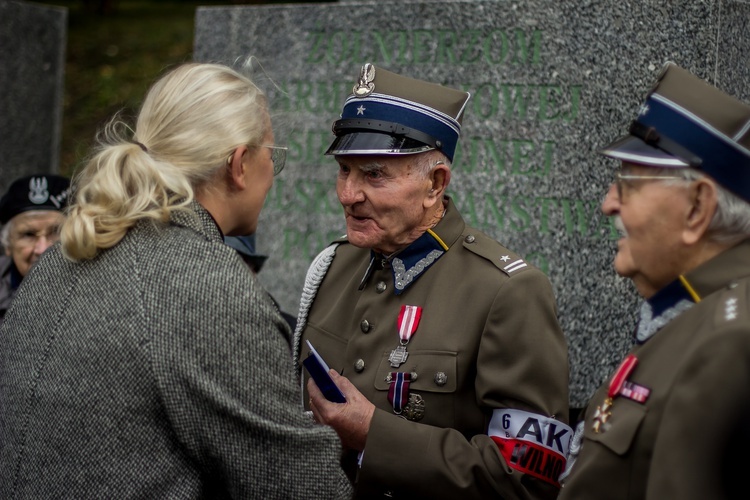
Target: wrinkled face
<point x="650" y="215"/>
<point x="384" y="200"/>
<point x="31" y="233"/>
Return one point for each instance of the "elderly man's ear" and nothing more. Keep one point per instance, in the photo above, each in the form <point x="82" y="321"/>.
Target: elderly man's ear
<point x="702" y="203"/>
<point x="439" y="178"/>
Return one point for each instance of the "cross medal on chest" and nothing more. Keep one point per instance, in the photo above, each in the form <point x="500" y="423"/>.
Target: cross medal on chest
<point x="604" y="411"/>
<point x="408" y="320"/>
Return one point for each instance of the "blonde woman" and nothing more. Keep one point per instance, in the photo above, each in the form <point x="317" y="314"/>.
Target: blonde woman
<point x="141" y="358"/>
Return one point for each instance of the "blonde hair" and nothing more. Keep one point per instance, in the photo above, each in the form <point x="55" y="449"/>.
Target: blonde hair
<point x="190" y="122"/>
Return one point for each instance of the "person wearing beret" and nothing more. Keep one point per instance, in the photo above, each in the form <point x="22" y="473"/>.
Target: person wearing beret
<point x="444" y="343"/>
<point x="671" y="421"/>
<point x="141" y="358"/>
<point x="245" y="247"/>
<point x="31" y="212"/>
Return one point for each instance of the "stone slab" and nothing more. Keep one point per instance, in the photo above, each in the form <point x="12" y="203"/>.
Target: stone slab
<point x="551" y="81"/>
<point x="33" y="39"/>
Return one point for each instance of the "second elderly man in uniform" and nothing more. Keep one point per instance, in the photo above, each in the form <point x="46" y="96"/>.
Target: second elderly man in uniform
<point x="671" y="423"/>
<point x="455" y="370"/>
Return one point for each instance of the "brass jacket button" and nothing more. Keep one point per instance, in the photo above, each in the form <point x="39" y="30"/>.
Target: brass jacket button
<point x="365" y="326"/>
<point x="381" y="287"/>
<point x="441" y="378"/>
<point x="359" y="365"/>
<point x="470" y="239"/>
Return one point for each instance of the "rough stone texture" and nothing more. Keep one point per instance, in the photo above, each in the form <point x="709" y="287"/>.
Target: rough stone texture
<point x="33" y="39"/>
<point x="551" y="81"/>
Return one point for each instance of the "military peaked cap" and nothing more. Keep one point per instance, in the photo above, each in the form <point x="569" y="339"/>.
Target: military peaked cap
<point x="685" y="122"/>
<point x="389" y="114"/>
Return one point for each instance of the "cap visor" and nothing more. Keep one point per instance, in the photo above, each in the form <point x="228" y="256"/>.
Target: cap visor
<point x="373" y="143"/>
<point x="634" y="150"/>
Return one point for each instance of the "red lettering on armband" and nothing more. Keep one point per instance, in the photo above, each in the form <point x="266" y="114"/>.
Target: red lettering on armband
<point x="530" y="443"/>
<point x="532" y="459"/>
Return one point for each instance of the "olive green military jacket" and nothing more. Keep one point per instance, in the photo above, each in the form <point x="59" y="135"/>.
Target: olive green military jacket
<point x="487" y="357"/>
<point x="679" y="419"/>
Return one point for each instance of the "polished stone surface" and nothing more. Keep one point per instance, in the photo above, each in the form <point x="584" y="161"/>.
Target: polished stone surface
<point x="551" y="81"/>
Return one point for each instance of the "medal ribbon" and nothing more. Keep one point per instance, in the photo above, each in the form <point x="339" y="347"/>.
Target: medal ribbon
<point x="621" y="375"/>
<point x="398" y="392"/>
<point x="408" y="321"/>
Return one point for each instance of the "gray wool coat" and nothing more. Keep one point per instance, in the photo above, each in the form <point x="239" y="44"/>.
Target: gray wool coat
<point x="159" y="369"/>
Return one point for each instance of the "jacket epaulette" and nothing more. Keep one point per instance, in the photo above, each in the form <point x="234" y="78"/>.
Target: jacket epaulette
<point x="731" y="306"/>
<point x="341" y="239"/>
<point x="480" y="244"/>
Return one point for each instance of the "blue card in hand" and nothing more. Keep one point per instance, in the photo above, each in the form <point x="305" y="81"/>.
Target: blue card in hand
<point x="318" y="370"/>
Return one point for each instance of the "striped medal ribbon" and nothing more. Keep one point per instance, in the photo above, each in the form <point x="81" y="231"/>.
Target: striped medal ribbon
<point x="408" y="321"/>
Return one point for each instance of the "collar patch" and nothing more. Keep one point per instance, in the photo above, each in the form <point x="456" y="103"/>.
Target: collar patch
<point x="414" y="260"/>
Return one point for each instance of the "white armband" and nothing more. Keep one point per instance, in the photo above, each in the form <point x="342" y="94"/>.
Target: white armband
<point x="531" y="443"/>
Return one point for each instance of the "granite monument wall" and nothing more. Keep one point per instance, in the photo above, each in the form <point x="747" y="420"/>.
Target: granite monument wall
<point x="551" y="81"/>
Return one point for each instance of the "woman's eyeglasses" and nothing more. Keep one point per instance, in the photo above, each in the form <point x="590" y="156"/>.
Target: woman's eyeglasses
<point x="278" y="157"/>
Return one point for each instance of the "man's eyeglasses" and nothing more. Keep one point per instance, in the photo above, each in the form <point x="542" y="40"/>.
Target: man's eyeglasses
<point x="278" y="157"/>
<point x="620" y="177"/>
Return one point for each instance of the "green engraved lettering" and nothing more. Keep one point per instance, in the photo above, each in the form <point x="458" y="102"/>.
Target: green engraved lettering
<point x="575" y="103"/>
<point x="421" y="49"/>
<point x="273" y="198"/>
<point x="446" y="49"/>
<point x="607" y="226"/>
<point x="497" y="158"/>
<point x="552" y="102"/>
<point x="401" y="49"/>
<point x="527" y="53"/>
<point x="548" y="100"/>
<point x="549" y="147"/>
<point x="302" y="93"/>
<point x="296" y="148"/>
<point x="522" y="218"/>
<point x="547" y="204"/>
<point x="496" y="211"/>
<point x="317" y="51"/>
<point x="516" y="100"/>
<point x="486" y="101"/>
<point x="382" y="48"/>
<point x="496" y="47"/>
<point x="291" y="243"/>
<point x="471" y="52"/>
<point x="576" y="215"/>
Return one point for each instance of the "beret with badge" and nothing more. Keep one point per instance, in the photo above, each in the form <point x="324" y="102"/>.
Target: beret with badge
<point x="390" y="114"/>
<point x="685" y="122"/>
<point x="34" y="192"/>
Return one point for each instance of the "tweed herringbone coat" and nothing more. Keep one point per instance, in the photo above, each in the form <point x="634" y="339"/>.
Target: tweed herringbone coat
<point x="159" y="369"/>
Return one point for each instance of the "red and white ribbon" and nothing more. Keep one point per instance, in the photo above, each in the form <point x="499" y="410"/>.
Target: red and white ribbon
<point x="408" y="321"/>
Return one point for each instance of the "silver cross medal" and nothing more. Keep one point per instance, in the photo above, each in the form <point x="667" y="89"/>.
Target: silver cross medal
<point x="398" y="356"/>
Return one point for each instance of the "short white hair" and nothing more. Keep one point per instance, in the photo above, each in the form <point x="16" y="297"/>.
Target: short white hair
<point x="731" y="222"/>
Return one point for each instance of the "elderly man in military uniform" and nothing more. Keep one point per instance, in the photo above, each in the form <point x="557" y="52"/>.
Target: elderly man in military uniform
<point x="31" y="211"/>
<point x="666" y="424"/>
<point x="444" y="343"/>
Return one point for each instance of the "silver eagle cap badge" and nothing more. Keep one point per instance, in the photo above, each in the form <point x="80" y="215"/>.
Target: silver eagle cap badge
<point x="365" y="85"/>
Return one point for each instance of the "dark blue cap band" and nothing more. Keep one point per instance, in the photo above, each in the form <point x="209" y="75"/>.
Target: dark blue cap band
<point x="718" y="155"/>
<point x="436" y="130"/>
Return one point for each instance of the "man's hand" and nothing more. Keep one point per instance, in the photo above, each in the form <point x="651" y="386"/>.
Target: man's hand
<point x="351" y="420"/>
